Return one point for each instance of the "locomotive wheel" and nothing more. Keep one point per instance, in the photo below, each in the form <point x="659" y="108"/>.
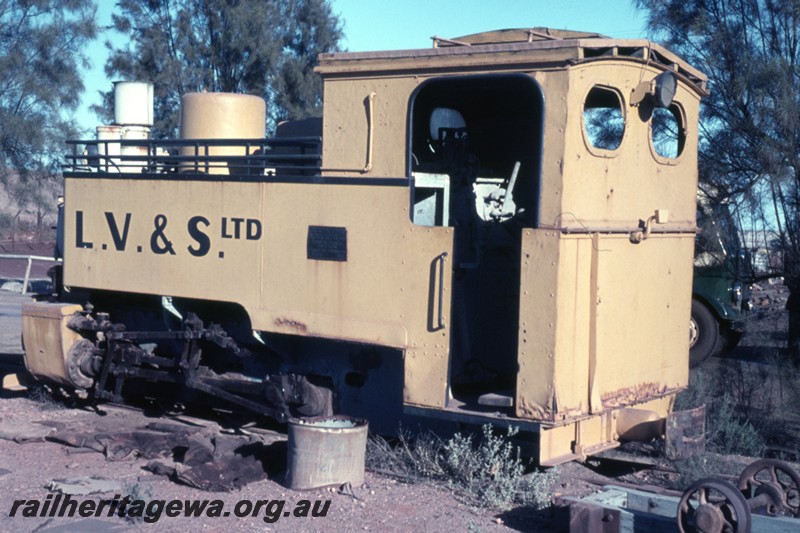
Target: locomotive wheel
<point x="713" y="506"/>
<point x="778" y="479"/>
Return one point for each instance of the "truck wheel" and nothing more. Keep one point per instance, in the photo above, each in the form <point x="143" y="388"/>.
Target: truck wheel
<point x="704" y="335"/>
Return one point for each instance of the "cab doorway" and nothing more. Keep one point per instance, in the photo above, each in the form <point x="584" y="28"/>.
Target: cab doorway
<point x="475" y="162"/>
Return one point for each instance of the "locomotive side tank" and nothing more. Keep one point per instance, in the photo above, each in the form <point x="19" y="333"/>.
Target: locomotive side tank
<point x="499" y="228"/>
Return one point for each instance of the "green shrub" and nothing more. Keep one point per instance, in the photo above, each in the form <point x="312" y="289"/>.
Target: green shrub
<point x="491" y="473"/>
<point x="729" y="429"/>
<point x="486" y="471"/>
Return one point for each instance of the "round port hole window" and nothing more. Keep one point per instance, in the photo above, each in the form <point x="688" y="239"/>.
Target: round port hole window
<point x="603" y="120"/>
<point x="668" y="132"/>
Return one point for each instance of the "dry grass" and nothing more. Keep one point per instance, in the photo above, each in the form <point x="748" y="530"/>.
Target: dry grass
<point x="751" y="395"/>
<point x="484" y="470"/>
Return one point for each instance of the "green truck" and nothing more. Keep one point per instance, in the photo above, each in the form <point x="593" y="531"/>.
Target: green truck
<point x="721" y="287"/>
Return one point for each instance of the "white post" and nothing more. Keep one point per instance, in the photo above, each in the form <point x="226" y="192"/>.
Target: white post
<point x="27" y="276"/>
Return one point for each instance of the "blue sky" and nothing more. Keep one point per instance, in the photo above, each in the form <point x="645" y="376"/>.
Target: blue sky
<point x="376" y="25"/>
<point x="402" y="24"/>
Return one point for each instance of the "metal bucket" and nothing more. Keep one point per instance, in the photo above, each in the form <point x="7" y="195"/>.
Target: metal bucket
<point x="326" y="450"/>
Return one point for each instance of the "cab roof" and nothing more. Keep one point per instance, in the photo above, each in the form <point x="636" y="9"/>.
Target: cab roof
<point x="513" y="47"/>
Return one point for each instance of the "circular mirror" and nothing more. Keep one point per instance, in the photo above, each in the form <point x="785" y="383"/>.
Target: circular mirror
<point x="666" y="86"/>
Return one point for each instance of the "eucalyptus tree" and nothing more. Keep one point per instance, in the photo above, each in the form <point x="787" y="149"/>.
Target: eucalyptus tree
<point x="262" y="47"/>
<point x="750" y="133"/>
<point x="42" y="55"/>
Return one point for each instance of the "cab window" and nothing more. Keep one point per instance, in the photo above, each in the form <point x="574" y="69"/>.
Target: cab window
<point x="603" y="119"/>
<point x="667" y="131"/>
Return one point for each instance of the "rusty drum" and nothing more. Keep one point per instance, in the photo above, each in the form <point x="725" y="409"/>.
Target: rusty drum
<point x="326" y="450"/>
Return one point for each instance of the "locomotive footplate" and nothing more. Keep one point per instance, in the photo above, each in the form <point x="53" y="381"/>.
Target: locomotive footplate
<point x="104" y="364"/>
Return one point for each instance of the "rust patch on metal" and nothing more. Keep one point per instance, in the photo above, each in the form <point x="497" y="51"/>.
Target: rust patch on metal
<point x="533" y="411"/>
<point x="292" y="324"/>
<point x="630" y="395"/>
<point x="570" y="412"/>
<point x="686" y="433"/>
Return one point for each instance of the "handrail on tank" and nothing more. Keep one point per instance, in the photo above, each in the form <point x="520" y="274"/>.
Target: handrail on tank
<point x="138" y="156"/>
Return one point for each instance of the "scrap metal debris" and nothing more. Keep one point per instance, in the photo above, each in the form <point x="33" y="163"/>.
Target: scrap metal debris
<point x="20" y="431"/>
<point x="126" y="445"/>
<point x="81" y="486"/>
<point x="195" y="456"/>
<point x="235" y="463"/>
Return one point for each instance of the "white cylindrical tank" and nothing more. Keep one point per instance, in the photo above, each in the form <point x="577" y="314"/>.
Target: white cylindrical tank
<point x="220" y="116"/>
<point x="140" y="151"/>
<point x="133" y="103"/>
<point x="108" y="152"/>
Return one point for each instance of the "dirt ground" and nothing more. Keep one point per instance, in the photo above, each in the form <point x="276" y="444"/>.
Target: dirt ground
<point x="382" y="503"/>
